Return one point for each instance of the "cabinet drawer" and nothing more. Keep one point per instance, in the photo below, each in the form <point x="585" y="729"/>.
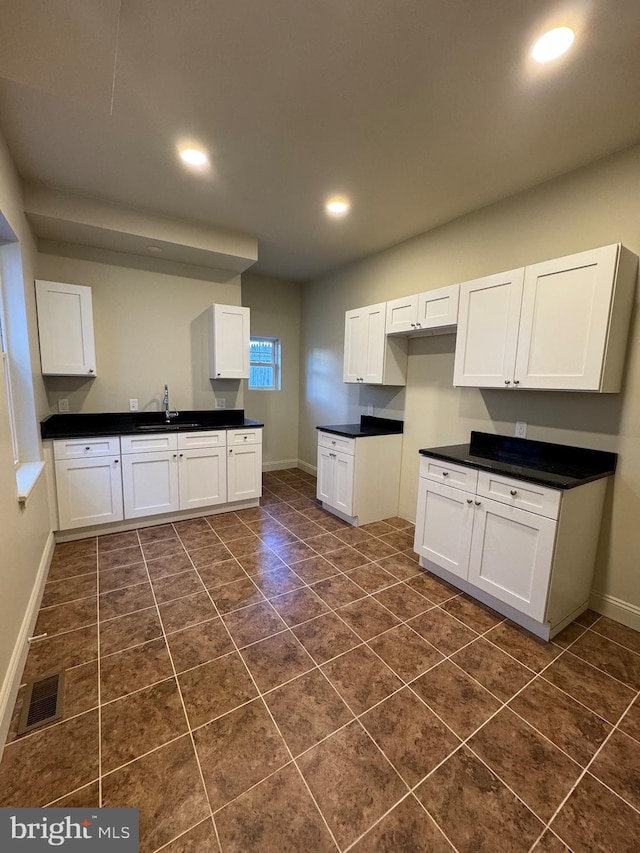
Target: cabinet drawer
<point x="148" y="443"/>
<point x="337" y="442"/>
<point x="213" y="438"/>
<point x="518" y="493"/>
<point x="243" y="436"/>
<point x="458" y="476"/>
<point x="79" y="448"/>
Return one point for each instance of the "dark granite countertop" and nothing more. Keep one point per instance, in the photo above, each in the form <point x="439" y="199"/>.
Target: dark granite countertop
<point x="130" y="423"/>
<point x="559" y="466"/>
<point x="369" y="425"/>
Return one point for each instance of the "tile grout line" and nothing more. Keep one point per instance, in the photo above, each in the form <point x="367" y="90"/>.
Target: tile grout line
<point x="586" y="770"/>
<point x="99" y="673"/>
<point x="268" y="710"/>
<point x="182" y="703"/>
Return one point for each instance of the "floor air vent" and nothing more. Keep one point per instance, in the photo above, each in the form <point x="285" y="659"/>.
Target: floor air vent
<point x="43" y="702"/>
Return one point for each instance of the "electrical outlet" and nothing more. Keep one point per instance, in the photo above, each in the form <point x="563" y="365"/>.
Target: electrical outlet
<point x="221" y="404"/>
<point x="370" y="409"/>
<point x="521" y="429"/>
<point x="63" y="406"/>
<point x="133" y="405"/>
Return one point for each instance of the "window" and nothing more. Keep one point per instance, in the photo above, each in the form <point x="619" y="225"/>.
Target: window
<point x="264" y="360"/>
<point x="4" y="350"/>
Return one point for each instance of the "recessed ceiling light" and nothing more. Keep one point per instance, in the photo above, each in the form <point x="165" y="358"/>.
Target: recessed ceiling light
<point x="337" y="206"/>
<point x="552" y="44"/>
<point x="194" y="157"/>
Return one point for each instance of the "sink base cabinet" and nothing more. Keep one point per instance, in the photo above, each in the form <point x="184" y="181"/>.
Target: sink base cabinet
<point x="535" y="567"/>
<point x="158" y="478"/>
<point x="359" y="478"/>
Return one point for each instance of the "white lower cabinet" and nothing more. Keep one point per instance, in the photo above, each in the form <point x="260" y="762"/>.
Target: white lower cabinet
<point x="244" y="464"/>
<point x="88" y="481"/>
<point x="156" y="474"/>
<point x="529" y="553"/>
<point x="359" y="478"/>
<point x="150" y="483"/>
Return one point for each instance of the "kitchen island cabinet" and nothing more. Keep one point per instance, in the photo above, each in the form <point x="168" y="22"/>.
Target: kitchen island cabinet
<point x="524" y="547"/>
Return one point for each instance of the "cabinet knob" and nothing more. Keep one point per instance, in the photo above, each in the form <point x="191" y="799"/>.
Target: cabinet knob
<point x="516" y="381"/>
<point x="181" y="455"/>
<point x="418" y="325"/>
<point x="87" y="448"/>
<point x="445" y="473"/>
<point x="507" y="382"/>
<point x="217" y="374"/>
<point x="513" y="493"/>
<point x="469" y="500"/>
<point x="175" y="455"/>
<point x="477" y="503"/>
<point x="231" y="451"/>
<point x="413" y="325"/>
<point x="91" y="370"/>
<point x="116" y="461"/>
<point x="244" y="437"/>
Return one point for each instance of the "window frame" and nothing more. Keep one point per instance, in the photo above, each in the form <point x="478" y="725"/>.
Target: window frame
<point x="6" y="370"/>
<point x="276" y="363"/>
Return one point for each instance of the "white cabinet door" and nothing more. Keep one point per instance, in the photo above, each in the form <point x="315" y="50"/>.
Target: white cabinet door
<point x="229" y="342"/>
<point x="326" y="471"/>
<point x="438" y="308"/>
<point x="444" y="523"/>
<point x="511" y="556"/>
<point x="353" y="345"/>
<point x="374" y="344"/>
<point x="402" y="315"/>
<point x="202" y="477"/>
<point x="150" y="483"/>
<point x="89" y="491"/>
<point x="244" y="472"/>
<point x="343" y="483"/>
<point x="65" y="328"/>
<point x="564" y="321"/>
<point x="488" y="330"/>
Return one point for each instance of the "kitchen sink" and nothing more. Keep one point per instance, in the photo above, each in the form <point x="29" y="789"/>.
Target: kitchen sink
<point x="166" y="427"/>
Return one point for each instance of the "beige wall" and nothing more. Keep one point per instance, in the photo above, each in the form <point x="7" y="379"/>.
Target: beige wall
<point x="275" y="313"/>
<point x="150" y="329"/>
<point x="594" y="206"/>
<point x="24" y="532"/>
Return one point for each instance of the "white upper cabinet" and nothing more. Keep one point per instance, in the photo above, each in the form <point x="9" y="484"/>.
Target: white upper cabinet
<point x="559" y="325"/>
<point x="65" y="327"/>
<point x="229" y="342"/>
<point x="433" y="312"/>
<point x="488" y="330"/>
<point x="369" y="356"/>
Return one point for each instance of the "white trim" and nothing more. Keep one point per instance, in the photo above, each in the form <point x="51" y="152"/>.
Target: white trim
<point x="280" y="464"/>
<point x="10" y="686"/>
<point x="309" y="469"/>
<point x="616" y="608"/>
<point x="27" y="476"/>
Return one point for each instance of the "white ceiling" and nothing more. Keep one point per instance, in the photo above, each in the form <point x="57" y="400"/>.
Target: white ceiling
<point x="418" y="110"/>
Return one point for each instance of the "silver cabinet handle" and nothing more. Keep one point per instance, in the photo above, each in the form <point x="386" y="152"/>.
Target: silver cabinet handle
<point x="513" y="493"/>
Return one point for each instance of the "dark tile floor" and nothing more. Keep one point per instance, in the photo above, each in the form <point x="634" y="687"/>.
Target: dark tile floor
<point x="273" y="680"/>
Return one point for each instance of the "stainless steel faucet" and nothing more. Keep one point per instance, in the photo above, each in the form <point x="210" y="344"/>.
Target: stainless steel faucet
<point x="168" y="414"/>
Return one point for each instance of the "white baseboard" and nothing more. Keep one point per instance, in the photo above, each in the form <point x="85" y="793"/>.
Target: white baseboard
<point x="9" y="689"/>
<point x="310" y="469"/>
<point x="616" y="608"/>
<point x="280" y="465"/>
